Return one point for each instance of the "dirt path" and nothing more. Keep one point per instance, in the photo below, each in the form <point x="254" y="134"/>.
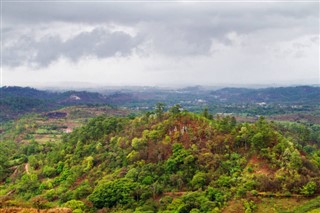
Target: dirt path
<point x="175" y="194"/>
<point x="26" y="167"/>
<point x="15" y="172"/>
<point x="10" y="192"/>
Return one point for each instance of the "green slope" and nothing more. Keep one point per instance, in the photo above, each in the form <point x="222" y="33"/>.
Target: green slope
<point x="162" y="162"/>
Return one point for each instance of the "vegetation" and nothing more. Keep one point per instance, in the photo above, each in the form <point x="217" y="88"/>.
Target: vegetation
<point x="162" y="161"/>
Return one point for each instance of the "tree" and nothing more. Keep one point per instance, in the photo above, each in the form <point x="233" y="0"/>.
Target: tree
<point x="39" y="202"/>
<point x="28" y="183"/>
<point x="49" y="171"/>
<point x="111" y="193"/>
<point x="215" y="195"/>
<point x="258" y="141"/>
<point x="175" y="110"/>
<point x="199" y="180"/>
<point x="159" y="110"/>
<point x="206" y="114"/>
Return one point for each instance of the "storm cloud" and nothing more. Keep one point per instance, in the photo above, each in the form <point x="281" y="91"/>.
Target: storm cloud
<point x="245" y="40"/>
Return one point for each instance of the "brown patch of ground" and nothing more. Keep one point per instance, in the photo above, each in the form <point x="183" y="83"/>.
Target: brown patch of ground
<point x="274" y="205"/>
<point x="14" y="174"/>
<point x="175" y="194"/>
<point x="234" y="206"/>
<point x="26" y="167"/>
<point x="266" y="205"/>
<point x="260" y="166"/>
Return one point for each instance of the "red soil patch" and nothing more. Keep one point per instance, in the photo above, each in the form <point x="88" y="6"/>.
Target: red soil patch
<point x="260" y="166"/>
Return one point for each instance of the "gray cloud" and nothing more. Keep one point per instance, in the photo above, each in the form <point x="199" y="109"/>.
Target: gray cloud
<point x="227" y="37"/>
<point x="130" y="13"/>
<point x="174" y="29"/>
<point x="99" y="43"/>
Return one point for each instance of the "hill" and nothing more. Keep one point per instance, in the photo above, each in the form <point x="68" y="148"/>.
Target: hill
<point x="165" y="162"/>
<point x="16" y="101"/>
<point x="298" y="94"/>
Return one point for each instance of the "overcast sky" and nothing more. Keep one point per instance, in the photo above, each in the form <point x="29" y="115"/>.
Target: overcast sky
<point x="160" y="43"/>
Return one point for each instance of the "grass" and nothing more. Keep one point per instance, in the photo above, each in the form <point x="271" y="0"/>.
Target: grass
<point x="277" y="205"/>
<point x="312" y="206"/>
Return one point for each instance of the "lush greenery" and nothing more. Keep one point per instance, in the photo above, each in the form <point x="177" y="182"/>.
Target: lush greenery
<point x="173" y="161"/>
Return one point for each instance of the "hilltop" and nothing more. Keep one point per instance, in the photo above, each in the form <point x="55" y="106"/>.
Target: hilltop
<point x="174" y="161"/>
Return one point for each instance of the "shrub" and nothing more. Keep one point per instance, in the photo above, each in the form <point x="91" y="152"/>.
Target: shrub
<point x="49" y="171"/>
<point x="75" y="205"/>
<point x="249" y="206"/>
<point x="309" y="189"/>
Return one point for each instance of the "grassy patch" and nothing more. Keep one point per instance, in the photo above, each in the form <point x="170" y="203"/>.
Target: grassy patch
<point x="312" y="206"/>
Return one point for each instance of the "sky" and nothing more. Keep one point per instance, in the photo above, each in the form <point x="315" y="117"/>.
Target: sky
<point x="159" y="43"/>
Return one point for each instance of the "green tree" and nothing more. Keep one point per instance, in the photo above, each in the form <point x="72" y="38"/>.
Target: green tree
<point x="206" y="114"/>
<point x="111" y="193"/>
<point x="199" y="180"/>
<point x="175" y="110"/>
<point x="49" y="171"/>
<point x="159" y="110"/>
<point x="28" y="183"/>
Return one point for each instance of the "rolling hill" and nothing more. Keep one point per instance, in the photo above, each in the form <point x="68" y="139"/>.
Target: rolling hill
<point x="173" y="161"/>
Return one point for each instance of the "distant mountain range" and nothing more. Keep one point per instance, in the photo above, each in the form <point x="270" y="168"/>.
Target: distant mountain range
<point x="19" y="100"/>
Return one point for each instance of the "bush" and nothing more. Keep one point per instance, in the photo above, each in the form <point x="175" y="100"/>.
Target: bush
<point x="309" y="189"/>
<point x="49" y="171"/>
<point x="39" y="202"/>
<point x="75" y="205"/>
<point x="249" y="206"/>
<point x="199" y="180"/>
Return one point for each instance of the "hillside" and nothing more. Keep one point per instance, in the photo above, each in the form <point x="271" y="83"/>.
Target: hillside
<point x="165" y="162"/>
<point x="299" y="94"/>
<point x="16" y="101"/>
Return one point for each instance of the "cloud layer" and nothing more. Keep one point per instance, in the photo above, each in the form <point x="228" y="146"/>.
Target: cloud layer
<point x="162" y="42"/>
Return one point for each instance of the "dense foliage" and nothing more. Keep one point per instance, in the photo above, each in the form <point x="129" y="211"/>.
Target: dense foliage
<point x="173" y="161"/>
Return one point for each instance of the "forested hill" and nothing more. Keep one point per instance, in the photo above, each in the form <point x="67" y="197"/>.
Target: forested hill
<point x="165" y="162"/>
<point x="299" y="94"/>
<point x="16" y="101"/>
